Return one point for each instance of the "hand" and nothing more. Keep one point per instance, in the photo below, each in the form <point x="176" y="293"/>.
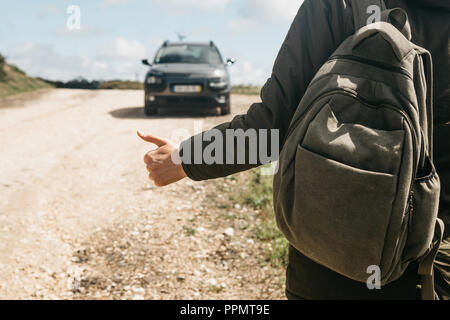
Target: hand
<point x="162" y="169"/>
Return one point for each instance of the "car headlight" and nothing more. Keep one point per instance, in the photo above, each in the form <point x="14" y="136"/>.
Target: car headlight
<point x="218" y="83"/>
<point x="154" y="80"/>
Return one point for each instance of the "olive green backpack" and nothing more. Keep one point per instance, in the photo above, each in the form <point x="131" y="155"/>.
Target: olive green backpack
<point x="356" y="185"/>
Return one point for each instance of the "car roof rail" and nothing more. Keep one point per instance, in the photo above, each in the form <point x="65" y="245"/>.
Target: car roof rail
<point x="165" y="43"/>
<point x="211" y="43"/>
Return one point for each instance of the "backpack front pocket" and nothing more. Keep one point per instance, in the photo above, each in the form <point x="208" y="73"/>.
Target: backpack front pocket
<point x="340" y="213"/>
<point x="353" y="143"/>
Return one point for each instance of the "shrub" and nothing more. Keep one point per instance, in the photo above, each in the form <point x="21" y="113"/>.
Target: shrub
<point x="258" y="195"/>
<point x="2" y="68"/>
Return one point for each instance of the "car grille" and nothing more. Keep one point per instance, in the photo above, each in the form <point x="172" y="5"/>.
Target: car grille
<point x="178" y="75"/>
<point x="192" y="100"/>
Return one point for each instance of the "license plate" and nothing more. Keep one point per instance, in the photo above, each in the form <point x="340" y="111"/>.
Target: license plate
<point x="187" y="88"/>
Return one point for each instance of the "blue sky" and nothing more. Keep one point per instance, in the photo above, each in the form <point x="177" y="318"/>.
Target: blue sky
<point x="116" y="34"/>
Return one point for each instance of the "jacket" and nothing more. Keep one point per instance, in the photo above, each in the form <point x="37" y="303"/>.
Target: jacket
<point x="317" y="30"/>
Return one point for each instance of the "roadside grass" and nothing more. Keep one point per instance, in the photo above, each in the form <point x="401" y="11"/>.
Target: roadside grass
<point x="122" y="85"/>
<point x="257" y="194"/>
<point x="246" y="89"/>
<point x="189" y="231"/>
<point x="14" y="81"/>
<point x="2" y="68"/>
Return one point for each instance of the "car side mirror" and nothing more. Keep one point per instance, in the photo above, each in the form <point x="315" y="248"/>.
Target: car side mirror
<point x="231" y="61"/>
<point x="145" y="62"/>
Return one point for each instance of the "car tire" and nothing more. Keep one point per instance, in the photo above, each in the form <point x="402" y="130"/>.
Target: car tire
<point x="150" y="111"/>
<point x="225" y="110"/>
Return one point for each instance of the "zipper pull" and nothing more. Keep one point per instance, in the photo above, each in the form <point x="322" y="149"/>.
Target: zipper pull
<point x="410" y="210"/>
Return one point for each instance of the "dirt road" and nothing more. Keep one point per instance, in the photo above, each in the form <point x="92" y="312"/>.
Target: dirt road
<point x="80" y="220"/>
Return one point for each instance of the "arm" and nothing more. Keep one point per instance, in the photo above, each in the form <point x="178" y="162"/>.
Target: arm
<point x="317" y="30"/>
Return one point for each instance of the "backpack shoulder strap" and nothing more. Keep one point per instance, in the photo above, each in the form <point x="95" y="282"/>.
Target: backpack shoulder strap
<point x="427" y="261"/>
<point x="360" y="13"/>
<point x="396" y="16"/>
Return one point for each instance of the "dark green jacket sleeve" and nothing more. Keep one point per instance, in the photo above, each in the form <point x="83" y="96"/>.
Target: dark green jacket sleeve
<point x="317" y="30"/>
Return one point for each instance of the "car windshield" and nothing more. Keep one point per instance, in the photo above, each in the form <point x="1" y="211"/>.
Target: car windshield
<point x="188" y="53"/>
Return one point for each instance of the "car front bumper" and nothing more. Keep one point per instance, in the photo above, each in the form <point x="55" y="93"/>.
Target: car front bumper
<point x="163" y="96"/>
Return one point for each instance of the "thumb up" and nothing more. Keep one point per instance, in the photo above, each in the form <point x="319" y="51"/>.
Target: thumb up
<point x="162" y="169"/>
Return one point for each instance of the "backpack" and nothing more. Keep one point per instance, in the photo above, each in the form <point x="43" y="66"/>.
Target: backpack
<point x="356" y="186"/>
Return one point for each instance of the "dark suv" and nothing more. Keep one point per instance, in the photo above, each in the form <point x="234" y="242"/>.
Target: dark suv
<point x="187" y="75"/>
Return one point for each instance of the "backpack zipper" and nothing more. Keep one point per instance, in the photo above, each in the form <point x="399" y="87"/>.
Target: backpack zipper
<point x="377" y="64"/>
<point x="410" y="210"/>
<point x="300" y="117"/>
<point x="354" y="95"/>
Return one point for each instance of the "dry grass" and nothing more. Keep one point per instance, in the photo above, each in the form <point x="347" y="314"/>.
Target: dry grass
<point x="14" y="81"/>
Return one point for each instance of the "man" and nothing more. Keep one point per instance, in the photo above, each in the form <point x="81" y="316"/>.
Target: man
<point x="318" y="29"/>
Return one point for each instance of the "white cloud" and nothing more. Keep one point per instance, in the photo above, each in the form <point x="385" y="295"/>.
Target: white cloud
<point x="112" y="3"/>
<point x="247" y="73"/>
<point x="202" y="4"/>
<point x="124" y="49"/>
<point x="51" y="9"/>
<point x="84" y="31"/>
<point x="270" y="10"/>
<point x="42" y="60"/>
<point x="196" y="4"/>
<point x="240" y="25"/>
<point x="117" y="60"/>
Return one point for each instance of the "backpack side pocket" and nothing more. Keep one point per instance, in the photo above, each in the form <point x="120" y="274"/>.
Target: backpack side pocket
<point x="423" y="212"/>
